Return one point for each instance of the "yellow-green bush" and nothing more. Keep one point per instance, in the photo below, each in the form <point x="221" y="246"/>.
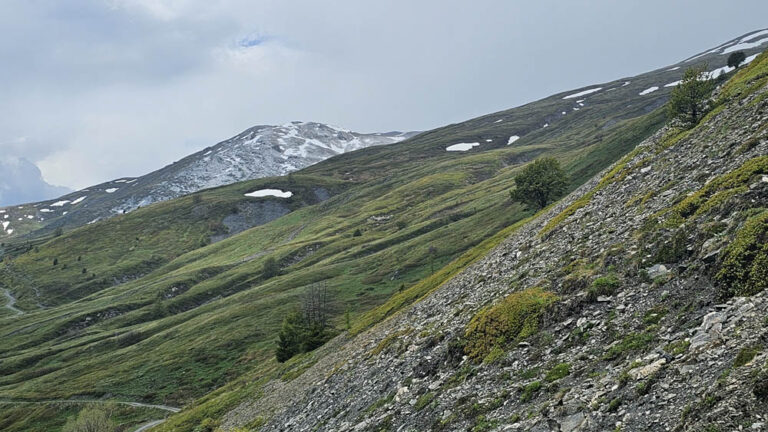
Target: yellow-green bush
<point x="514" y="318"/>
<point x="744" y="269"/>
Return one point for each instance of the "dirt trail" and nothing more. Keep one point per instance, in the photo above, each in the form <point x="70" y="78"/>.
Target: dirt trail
<point x="11" y="303"/>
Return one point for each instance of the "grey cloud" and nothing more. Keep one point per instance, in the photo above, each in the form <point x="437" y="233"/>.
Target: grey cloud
<point x="110" y="88"/>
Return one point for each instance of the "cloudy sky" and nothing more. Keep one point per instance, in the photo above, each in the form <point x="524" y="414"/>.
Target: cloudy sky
<point x="92" y="90"/>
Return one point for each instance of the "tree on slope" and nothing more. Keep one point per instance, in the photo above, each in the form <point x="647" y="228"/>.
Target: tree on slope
<point x="90" y="419"/>
<point x="306" y="328"/>
<point x="688" y="102"/>
<point x="540" y="183"/>
<point x="735" y="59"/>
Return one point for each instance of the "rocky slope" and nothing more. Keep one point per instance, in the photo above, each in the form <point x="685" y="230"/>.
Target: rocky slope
<point x="261" y="151"/>
<point x="656" y="268"/>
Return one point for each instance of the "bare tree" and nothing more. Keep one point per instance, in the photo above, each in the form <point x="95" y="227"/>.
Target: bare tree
<point x="314" y="304"/>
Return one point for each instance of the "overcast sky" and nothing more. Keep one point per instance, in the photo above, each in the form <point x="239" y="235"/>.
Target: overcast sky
<point x="92" y="90"/>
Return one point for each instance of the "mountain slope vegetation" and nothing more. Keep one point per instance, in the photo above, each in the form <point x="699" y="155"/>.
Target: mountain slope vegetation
<point x="171" y="304"/>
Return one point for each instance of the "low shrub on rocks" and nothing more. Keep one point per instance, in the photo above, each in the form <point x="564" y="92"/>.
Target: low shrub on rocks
<point x="513" y="319"/>
<point x="744" y="266"/>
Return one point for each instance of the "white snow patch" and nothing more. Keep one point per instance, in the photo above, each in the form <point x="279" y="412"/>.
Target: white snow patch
<point x="754" y="35"/>
<point x="546" y="125"/>
<point x="648" y="91"/>
<point x="269" y="192"/>
<point x="30" y="216"/>
<point x="46" y="210"/>
<point x="489" y="140"/>
<point x="512" y="139"/>
<point x="208" y="152"/>
<point x="499" y="121"/>
<point x="583" y="93"/>
<point x="576" y="108"/>
<point x="5" y="225"/>
<point x="60" y="203"/>
<point x="626" y="83"/>
<point x="673" y="84"/>
<point x="110" y="190"/>
<point x="10" y="231"/>
<point x="563" y="112"/>
<point x="745" y="45"/>
<point x="79" y="200"/>
<point x="461" y="147"/>
<point x="674" y="68"/>
<point x="2" y="211"/>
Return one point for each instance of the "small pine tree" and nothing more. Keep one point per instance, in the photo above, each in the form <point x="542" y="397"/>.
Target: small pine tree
<point x="540" y="183"/>
<point x="735" y="59"/>
<point x="55" y="261"/>
<point x="688" y="101"/>
<point x="357" y="233"/>
<point x="271" y="268"/>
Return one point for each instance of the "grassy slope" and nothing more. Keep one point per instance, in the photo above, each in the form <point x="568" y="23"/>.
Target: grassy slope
<point x="138" y="340"/>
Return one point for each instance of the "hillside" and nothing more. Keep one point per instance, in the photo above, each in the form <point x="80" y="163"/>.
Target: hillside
<point x="260" y="151"/>
<point x="637" y="303"/>
<point x="170" y="304"/>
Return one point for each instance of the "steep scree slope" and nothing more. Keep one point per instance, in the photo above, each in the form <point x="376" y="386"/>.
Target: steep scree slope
<point x="644" y="335"/>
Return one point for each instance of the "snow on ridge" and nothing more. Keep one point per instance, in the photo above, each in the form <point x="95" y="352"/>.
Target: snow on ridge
<point x="673" y="84"/>
<point x="745" y="45"/>
<point x="583" y="93"/>
<point x="626" y="83"/>
<point x="59" y="203"/>
<point x="648" y="90"/>
<point x="79" y="200"/>
<point x="461" y="147"/>
<point x="674" y="68"/>
<point x="512" y="139"/>
<point x="269" y="192"/>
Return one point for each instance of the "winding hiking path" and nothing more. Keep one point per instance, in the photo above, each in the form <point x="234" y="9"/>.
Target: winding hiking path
<point x="149" y="425"/>
<point x="11" y="302"/>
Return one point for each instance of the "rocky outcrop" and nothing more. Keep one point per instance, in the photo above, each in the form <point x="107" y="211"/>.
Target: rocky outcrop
<point x="642" y="337"/>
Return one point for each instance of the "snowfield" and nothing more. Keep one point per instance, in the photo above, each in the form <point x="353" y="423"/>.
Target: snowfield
<point x="461" y="147"/>
<point x="583" y="93"/>
<point x="648" y="91"/>
<point x="269" y="192"/>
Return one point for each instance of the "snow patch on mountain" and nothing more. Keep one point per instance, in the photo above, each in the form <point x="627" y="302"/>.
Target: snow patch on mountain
<point x="270" y="192"/>
<point x="461" y="147"/>
<point x="583" y="93"/>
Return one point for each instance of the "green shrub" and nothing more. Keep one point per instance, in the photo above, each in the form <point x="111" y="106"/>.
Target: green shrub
<point x="514" y="318"/>
<point x="745" y="356"/>
<point x="529" y="391"/>
<point x="90" y="419"/>
<point x="271" y="268"/>
<point x="744" y="264"/>
<point x="423" y="401"/>
<point x="560" y="371"/>
<point x="603" y="286"/>
<point x="631" y="342"/>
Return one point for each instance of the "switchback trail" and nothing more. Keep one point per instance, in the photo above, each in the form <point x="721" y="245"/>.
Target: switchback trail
<point x="11" y="302"/>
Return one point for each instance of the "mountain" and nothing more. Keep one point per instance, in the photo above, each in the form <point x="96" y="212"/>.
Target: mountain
<point x="21" y="181"/>
<point x="180" y="303"/>
<point x="636" y="303"/>
<point x="261" y="151"/>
